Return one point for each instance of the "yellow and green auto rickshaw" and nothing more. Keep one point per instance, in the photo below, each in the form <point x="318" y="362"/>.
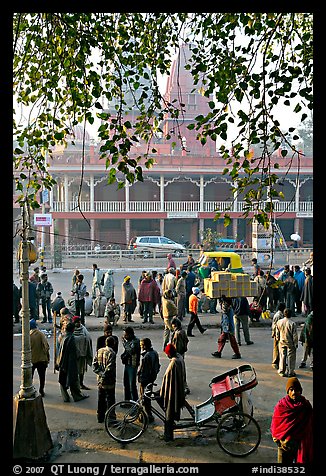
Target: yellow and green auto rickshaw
<point x="226" y="261"/>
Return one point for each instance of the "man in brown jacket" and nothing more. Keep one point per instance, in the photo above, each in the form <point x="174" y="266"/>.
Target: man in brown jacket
<point x="40" y="353"/>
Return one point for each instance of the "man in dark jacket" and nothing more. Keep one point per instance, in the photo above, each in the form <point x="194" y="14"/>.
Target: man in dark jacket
<point x="241" y="316"/>
<point x="79" y="291"/>
<point x="130" y="359"/>
<point x="291" y="291"/>
<point x="147" y="373"/>
<point x="107" y="332"/>
<point x="58" y="303"/>
<point x="45" y="291"/>
<point x="33" y="299"/>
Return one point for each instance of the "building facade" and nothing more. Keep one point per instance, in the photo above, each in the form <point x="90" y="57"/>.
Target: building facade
<point x="180" y="194"/>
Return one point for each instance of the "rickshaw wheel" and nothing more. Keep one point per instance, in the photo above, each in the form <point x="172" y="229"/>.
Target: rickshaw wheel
<point x="125" y="421"/>
<point x="238" y="434"/>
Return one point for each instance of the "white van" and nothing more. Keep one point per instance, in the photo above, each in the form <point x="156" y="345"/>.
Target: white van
<point x="160" y="244"/>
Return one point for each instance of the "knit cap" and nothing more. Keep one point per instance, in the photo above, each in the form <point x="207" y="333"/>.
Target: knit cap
<point x="32" y="324"/>
<point x="293" y="382"/>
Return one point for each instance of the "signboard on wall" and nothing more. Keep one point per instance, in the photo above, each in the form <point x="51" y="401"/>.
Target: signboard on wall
<point x="42" y="219"/>
<point x="182" y="215"/>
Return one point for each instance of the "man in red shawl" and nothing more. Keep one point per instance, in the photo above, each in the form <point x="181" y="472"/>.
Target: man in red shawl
<point x="291" y="426"/>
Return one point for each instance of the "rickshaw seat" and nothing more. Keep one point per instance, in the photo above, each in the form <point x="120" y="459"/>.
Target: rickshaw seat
<point x="219" y="388"/>
<point x="222" y="386"/>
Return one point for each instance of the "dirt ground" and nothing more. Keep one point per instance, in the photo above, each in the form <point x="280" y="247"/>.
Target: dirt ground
<point x="78" y="438"/>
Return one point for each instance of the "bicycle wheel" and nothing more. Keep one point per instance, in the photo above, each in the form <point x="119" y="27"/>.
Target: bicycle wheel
<point x="125" y="421"/>
<point x="238" y="434"/>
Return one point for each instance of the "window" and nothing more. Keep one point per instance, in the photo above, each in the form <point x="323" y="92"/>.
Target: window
<point x="144" y="240"/>
<point x="192" y="102"/>
<point x="164" y="240"/>
<point x="153" y="239"/>
<point x="191" y="99"/>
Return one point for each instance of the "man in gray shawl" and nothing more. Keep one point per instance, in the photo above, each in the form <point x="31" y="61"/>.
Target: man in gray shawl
<point x="84" y="349"/>
<point x="66" y="363"/>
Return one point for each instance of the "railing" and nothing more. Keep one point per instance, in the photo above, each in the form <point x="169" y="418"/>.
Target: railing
<point x="173" y="206"/>
<point x="141" y="207"/>
<point x="70" y="257"/>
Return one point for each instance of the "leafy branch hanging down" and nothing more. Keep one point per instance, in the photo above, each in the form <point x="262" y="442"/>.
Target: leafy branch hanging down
<point x="68" y="66"/>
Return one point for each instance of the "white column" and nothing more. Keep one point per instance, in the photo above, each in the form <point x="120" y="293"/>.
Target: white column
<point x="92" y="231"/>
<point x="66" y="226"/>
<point x="201" y="194"/>
<point x="235" y="199"/>
<point x="91" y="192"/>
<point x="52" y="236"/>
<point x="127" y="231"/>
<point x="51" y="200"/>
<point x="162" y="226"/>
<point x="61" y="191"/>
<point x="127" y="195"/>
<point x="297" y="196"/>
<point x="296" y="225"/>
<point x="162" y="193"/>
<point x="201" y="229"/>
<point x="235" y="228"/>
<point x="66" y="190"/>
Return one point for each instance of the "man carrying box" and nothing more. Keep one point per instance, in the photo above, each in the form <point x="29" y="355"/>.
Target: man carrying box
<point x="227" y="329"/>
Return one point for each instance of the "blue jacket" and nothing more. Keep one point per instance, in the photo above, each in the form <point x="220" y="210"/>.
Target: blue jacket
<point x="32" y="294"/>
<point x="300" y="277"/>
<point x="190" y="281"/>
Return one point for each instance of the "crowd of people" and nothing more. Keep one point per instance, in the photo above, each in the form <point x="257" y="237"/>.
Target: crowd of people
<point x="172" y="296"/>
<point x="292" y="285"/>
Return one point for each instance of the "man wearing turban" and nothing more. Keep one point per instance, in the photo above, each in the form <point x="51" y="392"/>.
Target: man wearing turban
<point x="172" y="392"/>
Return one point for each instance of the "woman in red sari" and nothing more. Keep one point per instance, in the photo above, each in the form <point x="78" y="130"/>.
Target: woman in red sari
<point x="291" y="426"/>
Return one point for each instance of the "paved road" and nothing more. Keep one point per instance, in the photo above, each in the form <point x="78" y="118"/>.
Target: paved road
<point x="74" y="425"/>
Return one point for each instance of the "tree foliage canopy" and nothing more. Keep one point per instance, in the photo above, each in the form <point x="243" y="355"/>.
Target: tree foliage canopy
<point x="67" y="64"/>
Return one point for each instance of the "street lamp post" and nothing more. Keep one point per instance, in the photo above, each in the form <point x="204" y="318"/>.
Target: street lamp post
<point x="32" y="438"/>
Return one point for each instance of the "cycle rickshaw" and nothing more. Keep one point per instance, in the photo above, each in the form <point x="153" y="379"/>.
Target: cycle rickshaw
<point x="229" y="409"/>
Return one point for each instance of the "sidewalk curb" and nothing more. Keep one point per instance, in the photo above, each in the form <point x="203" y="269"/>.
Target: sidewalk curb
<point x="95" y="324"/>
